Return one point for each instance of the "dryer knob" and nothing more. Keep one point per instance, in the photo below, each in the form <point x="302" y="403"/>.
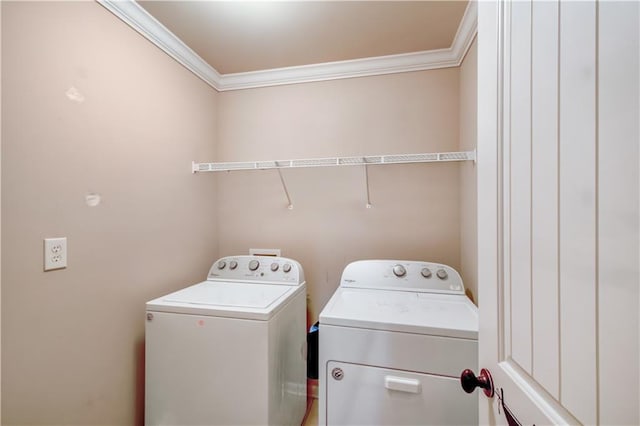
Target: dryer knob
<point x="222" y="264"/>
<point x="426" y="272"/>
<point x="442" y="274"/>
<point x="233" y="264"/>
<point x="399" y="271"/>
<point x="274" y="266"/>
<point x="286" y="267"/>
<point x="253" y="265"/>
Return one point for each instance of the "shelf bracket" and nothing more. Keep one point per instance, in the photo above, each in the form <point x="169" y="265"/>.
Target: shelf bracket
<point x="286" y="191"/>
<point x="366" y="179"/>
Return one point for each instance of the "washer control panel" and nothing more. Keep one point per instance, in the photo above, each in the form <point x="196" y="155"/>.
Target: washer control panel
<point x="265" y="269"/>
<point x="407" y="275"/>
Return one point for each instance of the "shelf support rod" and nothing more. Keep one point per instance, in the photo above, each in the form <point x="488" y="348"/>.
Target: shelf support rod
<point x="366" y="178"/>
<point x="286" y="191"/>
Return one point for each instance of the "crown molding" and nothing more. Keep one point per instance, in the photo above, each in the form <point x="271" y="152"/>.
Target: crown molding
<point x="466" y="33"/>
<point x="416" y="61"/>
<point x="140" y="20"/>
<point x="132" y="14"/>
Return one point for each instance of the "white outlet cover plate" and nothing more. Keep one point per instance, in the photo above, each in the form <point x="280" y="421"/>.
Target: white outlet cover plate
<point x="55" y="253"/>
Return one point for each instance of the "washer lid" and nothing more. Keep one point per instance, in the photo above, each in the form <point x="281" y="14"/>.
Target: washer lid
<point x="236" y="300"/>
<point x="402" y="311"/>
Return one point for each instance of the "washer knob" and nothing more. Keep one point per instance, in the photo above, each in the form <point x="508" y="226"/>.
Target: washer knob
<point x="233" y="264"/>
<point x="222" y="264"/>
<point x="442" y="274"/>
<point x="399" y="271"/>
<point x="253" y="265"/>
<point x="426" y="272"/>
<point x="274" y="266"/>
<point x="286" y="267"/>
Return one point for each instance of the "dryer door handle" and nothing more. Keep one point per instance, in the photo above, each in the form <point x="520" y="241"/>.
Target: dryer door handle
<point x="402" y="384"/>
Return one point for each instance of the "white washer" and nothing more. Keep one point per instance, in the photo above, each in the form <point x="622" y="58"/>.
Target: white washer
<point x="394" y="338"/>
<point x="229" y="350"/>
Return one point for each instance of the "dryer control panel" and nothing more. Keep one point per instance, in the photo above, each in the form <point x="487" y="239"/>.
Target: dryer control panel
<point x="403" y="275"/>
<point x="258" y="269"/>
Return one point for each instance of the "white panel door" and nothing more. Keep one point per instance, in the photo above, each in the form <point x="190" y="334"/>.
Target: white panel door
<point x="558" y="225"/>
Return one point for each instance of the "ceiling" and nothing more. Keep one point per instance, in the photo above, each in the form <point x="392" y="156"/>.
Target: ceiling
<point x="242" y="36"/>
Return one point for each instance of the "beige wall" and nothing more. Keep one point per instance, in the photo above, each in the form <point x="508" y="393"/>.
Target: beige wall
<point x="415" y="212"/>
<point x="468" y="181"/>
<point x="72" y="339"/>
<point x="0" y="216"/>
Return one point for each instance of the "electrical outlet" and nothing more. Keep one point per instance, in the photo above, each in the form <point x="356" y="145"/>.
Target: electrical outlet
<point x="55" y="253"/>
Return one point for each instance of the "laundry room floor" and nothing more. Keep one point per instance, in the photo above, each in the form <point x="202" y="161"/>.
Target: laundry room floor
<point x="312" y="417"/>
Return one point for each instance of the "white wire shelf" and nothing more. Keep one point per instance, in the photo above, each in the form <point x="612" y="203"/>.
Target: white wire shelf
<point x="335" y="161"/>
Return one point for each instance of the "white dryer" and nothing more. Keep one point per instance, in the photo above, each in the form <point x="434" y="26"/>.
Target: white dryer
<point x="393" y="340"/>
<point x="229" y="350"/>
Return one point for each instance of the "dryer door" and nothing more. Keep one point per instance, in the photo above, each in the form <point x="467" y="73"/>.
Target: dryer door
<point x="365" y="395"/>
